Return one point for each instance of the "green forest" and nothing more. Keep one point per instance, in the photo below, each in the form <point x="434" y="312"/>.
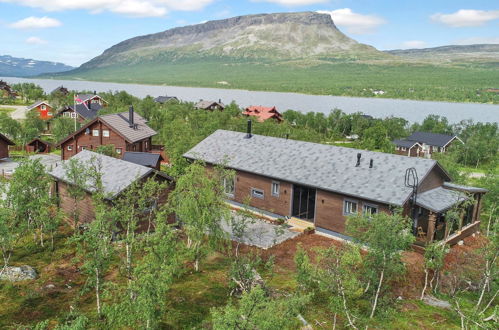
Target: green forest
<point x="181" y="278"/>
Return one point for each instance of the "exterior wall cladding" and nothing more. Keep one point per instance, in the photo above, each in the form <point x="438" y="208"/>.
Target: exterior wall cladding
<point x="329" y="213"/>
<point x="91" y="142"/>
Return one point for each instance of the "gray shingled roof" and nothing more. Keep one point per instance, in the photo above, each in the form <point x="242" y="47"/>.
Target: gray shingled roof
<point x="87" y="112"/>
<point x="433" y="139"/>
<point x="142" y="158"/>
<point x="86" y="97"/>
<point x="164" y="99"/>
<point x="119" y="121"/>
<point x="204" y="104"/>
<point x="440" y="199"/>
<point x="404" y="143"/>
<point x="326" y="167"/>
<point x="469" y="189"/>
<point x="117" y="174"/>
<point x="37" y="103"/>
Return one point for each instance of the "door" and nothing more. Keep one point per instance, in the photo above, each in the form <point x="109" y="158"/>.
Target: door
<point x="303" y="203"/>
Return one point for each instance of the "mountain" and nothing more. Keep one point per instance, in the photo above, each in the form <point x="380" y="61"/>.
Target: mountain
<point x="25" y="67"/>
<point x="281" y="36"/>
<point x="454" y="53"/>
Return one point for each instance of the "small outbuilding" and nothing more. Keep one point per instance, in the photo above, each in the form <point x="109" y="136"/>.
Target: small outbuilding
<point x="210" y="105"/>
<point x="147" y="159"/>
<point x="5" y="142"/>
<point x="37" y="145"/>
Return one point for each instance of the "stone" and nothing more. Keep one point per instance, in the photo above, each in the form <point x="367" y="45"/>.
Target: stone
<point x="49" y="286"/>
<point x="21" y="273"/>
<point x="460" y="242"/>
<point x="435" y="302"/>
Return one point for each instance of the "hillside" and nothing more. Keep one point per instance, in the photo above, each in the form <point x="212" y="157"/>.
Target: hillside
<point x="452" y="53"/>
<point x="283" y="36"/>
<point x="290" y="52"/>
<point x="25" y="67"/>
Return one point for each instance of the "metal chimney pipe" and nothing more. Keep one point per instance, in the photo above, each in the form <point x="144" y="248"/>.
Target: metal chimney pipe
<point x="248" y="131"/>
<point x="130" y="116"/>
<point x="371" y="163"/>
<point x="359" y="155"/>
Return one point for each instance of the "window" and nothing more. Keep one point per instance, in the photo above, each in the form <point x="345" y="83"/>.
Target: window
<point x="228" y="184"/>
<point x="65" y="114"/>
<point x="118" y="151"/>
<point x="276" y="187"/>
<point x="83" y="148"/>
<point x="43" y="107"/>
<point x="403" y="148"/>
<point x="349" y="207"/>
<point x="95" y="132"/>
<point x="49" y="113"/>
<point x="257" y="193"/>
<point x="369" y="209"/>
<point x="74" y="115"/>
<point x="105" y="133"/>
<point x="70" y="147"/>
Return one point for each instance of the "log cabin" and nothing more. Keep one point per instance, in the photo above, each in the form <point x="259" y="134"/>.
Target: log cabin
<point x="321" y="185"/>
<point x="82" y="112"/>
<point x="127" y="131"/>
<point x="5" y="142"/>
<point x="424" y="144"/>
<point x="210" y="105"/>
<point x="117" y="175"/>
<point x="38" y="145"/>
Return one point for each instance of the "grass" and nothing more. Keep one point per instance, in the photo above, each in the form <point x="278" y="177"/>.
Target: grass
<point x="460" y="83"/>
<point x="6" y="109"/>
<point x="190" y="298"/>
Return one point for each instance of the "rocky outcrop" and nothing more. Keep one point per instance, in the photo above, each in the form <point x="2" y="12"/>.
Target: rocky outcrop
<point x="15" y="274"/>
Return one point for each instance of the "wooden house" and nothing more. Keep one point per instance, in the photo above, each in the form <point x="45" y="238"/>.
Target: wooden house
<point x="321" y="185"/>
<point x="82" y="112"/>
<point x="44" y="109"/>
<point x="165" y="99"/>
<point x="210" y="105"/>
<point x="61" y="90"/>
<point x="5" y="142"/>
<point x="116" y="175"/>
<point x="424" y="144"/>
<point x="6" y="91"/>
<point x="90" y="99"/>
<point x="263" y="113"/>
<point x="37" y="145"/>
<point x="127" y="131"/>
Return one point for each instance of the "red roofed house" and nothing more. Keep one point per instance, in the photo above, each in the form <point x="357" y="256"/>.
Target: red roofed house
<point x="263" y="113"/>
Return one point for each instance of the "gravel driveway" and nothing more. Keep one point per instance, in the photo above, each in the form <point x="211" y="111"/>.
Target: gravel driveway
<point x="19" y="111"/>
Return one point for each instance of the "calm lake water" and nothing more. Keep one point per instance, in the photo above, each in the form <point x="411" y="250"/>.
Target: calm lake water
<point x="414" y="111"/>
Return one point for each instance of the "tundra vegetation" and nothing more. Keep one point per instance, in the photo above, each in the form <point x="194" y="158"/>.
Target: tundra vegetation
<point x="108" y="275"/>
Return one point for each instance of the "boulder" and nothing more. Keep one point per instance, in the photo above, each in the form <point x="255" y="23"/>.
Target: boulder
<point x="18" y="273"/>
<point x="435" y="302"/>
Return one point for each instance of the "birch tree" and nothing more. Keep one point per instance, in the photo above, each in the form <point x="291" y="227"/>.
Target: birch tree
<point x="199" y="203"/>
<point x="386" y="237"/>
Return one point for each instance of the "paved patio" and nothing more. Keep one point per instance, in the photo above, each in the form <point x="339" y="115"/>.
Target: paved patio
<point x="261" y="234"/>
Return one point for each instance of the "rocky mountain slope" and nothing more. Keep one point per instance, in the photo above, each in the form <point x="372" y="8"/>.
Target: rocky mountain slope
<point x="281" y="36"/>
<point x="454" y="53"/>
<point x="25" y="67"/>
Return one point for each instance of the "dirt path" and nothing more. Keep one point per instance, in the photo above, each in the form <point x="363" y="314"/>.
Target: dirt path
<point x="19" y="112"/>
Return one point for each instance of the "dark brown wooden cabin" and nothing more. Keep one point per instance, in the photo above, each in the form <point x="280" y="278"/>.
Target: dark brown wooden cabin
<point x="5" y="142"/>
<point x="37" y="145"/>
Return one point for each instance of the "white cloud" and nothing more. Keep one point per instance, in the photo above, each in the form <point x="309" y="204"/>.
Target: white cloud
<point x="414" y="44"/>
<point x="293" y="2"/>
<point x="35" y="41"/>
<point x="36" y="23"/>
<point x="466" y="17"/>
<point x="137" y="8"/>
<point x="353" y="22"/>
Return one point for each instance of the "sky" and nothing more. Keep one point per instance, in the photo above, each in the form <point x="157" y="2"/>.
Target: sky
<point x="74" y="31"/>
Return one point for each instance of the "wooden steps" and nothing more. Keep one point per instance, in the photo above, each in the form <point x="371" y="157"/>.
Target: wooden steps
<point x="299" y="223"/>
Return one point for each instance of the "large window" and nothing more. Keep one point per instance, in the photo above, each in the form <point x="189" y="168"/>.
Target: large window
<point x="105" y="133"/>
<point x="70" y="147"/>
<point x="369" y="209"/>
<point x="228" y="184"/>
<point x="276" y="187"/>
<point x="349" y="207"/>
<point x="257" y="193"/>
<point x="43" y="107"/>
<point x="95" y="132"/>
<point x="119" y="151"/>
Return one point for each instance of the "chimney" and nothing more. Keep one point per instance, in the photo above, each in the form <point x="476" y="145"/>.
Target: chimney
<point x="248" y="132"/>
<point x="130" y="116"/>
<point x="371" y="163"/>
<point x="95" y="92"/>
<point x="287" y="136"/>
<point x="359" y="155"/>
<point x="220" y="101"/>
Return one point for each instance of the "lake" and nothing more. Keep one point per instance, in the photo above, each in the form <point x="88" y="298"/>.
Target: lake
<point x="413" y="111"/>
